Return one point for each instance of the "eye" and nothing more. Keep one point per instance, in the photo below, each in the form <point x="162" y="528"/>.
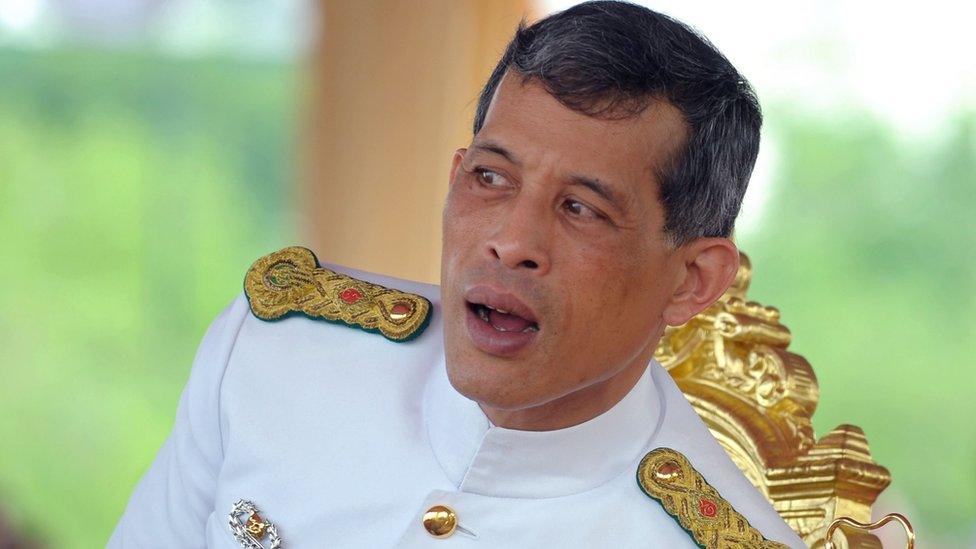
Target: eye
<point x="579" y="209"/>
<point x="489" y="178"/>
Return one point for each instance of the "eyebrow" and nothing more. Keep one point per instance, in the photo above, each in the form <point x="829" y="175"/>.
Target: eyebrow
<point x="493" y="147"/>
<point x="602" y="189"/>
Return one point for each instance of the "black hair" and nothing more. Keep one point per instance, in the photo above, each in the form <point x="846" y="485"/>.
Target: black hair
<point x="611" y="59"/>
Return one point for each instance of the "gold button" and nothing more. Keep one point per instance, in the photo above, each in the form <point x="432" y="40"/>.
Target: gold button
<point x="440" y="521"/>
<point x="400" y="310"/>
<point x="669" y="471"/>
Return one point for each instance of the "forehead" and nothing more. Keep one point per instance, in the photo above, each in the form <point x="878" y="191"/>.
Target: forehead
<point x="525" y="118"/>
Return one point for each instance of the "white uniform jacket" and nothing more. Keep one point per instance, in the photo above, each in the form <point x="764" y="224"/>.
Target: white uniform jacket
<point x="344" y="439"/>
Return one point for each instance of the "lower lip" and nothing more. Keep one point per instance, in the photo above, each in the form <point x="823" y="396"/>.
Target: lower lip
<point x="486" y="338"/>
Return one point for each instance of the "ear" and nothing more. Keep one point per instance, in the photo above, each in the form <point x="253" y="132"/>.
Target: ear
<point x="456" y="165"/>
<point x="710" y="265"/>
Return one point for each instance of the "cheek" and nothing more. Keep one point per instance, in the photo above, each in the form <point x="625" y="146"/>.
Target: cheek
<point x="464" y="226"/>
<point x="453" y="224"/>
<point x="642" y="301"/>
<point x="616" y="293"/>
<point x="466" y="219"/>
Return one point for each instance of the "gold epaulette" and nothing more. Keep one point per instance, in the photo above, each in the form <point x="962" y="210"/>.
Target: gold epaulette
<point x="668" y="477"/>
<point x="291" y="281"/>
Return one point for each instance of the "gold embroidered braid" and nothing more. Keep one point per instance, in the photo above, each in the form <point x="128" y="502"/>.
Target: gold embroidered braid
<point x="291" y="280"/>
<point x="668" y="477"/>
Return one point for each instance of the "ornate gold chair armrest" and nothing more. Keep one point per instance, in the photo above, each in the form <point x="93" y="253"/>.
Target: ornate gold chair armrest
<point x="865" y="528"/>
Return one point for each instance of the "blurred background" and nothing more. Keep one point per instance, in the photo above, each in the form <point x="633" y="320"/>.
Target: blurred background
<point x="150" y="150"/>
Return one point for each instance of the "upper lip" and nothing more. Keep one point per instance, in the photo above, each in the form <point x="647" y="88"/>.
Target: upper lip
<point x="500" y="299"/>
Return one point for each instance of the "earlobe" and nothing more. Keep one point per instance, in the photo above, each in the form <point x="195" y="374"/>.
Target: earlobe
<point x="710" y="268"/>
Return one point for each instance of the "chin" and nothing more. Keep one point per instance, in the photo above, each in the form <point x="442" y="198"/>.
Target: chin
<point x="498" y="384"/>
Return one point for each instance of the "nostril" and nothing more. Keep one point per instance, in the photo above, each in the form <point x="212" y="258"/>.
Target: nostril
<point x="510" y="258"/>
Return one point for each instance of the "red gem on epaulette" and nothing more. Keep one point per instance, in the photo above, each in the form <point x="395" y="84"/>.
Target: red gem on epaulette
<point x="350" y="295"/>
<point x="707" y="508"/>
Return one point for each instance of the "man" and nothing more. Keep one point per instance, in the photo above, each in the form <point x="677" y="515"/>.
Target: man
<point x="518" y="405"/>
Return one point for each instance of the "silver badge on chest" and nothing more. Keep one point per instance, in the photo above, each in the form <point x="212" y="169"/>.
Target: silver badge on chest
<point x="254" y="530"/>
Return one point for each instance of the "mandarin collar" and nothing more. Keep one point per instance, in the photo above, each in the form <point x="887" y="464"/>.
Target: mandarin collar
<point x="480" y="458"/>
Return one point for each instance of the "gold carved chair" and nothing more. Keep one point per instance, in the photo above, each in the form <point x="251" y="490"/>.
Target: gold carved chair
<point x="732" y="363"/>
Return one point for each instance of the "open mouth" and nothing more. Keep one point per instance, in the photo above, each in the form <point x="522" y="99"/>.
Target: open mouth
<point x="498" y="322"/>
<point x="502" y="320"/>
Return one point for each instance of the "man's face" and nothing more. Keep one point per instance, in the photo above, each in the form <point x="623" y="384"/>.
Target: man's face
<point x="555" y="267"/>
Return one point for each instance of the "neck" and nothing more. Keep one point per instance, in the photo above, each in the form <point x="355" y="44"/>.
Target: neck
<point x="574" y="408"/>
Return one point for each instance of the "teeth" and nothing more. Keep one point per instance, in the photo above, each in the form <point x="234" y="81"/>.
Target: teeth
<point x="482" y="311"/>
<point x="528" y="329"/>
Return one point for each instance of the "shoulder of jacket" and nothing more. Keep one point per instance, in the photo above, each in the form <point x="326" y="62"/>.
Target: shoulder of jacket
<point x="291" y="282"/>
<point x="667" y="476"/>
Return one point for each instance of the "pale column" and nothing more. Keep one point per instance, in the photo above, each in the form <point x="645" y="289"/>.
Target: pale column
<point x="394" y="92"/>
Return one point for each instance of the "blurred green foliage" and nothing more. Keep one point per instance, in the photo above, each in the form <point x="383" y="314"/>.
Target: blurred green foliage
<point x="868" y="249"/>
<point x="135" y="190"/>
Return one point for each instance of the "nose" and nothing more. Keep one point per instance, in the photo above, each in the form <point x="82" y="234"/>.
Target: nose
<point x="520" y="240"/>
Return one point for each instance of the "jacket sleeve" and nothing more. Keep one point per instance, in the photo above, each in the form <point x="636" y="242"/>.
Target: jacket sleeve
<point x="173" y="500"/>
